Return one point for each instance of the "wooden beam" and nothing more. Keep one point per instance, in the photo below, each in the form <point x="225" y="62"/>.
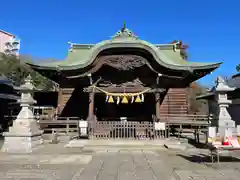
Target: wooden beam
<point x="157" y="97"/>
<point x="122" y="90"/>
<point x="91" y="106"/>
<point x="67" y="90"/>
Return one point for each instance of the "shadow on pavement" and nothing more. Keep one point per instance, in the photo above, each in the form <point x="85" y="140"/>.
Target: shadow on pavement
<point x="202" y="158"/>
<point x="196" y="144"/>
<point x="1" y="141"/>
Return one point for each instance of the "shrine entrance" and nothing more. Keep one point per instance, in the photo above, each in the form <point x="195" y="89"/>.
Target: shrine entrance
<point x="124" y="114"/>
<point x="124" y="97"/>
<point x="130" y="111"/>
<point x="124" y="119"/>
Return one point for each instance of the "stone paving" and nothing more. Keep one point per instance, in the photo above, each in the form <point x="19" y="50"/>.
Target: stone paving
<point x="46" y="159"/>
<point x="58" y="163"/>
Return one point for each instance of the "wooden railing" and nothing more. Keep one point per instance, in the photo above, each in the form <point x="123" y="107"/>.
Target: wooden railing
<point x="125" y="129"/>
<point x="196" y="124"/>
<point x="186" y="118"/>
<point x="60" y="125"/>
<point x="128" y="129"/>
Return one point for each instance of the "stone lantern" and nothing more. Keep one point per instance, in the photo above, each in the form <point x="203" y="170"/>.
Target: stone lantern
<point x="225" y="124"/>
<point x="25" y="135"/>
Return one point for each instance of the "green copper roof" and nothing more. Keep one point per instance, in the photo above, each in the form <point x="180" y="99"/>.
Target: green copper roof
<point x="82" y="55"/>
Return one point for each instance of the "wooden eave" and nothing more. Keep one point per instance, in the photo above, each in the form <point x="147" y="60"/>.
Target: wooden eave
<point x="210" y="96"/>
<point x="185" y="79"/>
<point x="207" y="68"/>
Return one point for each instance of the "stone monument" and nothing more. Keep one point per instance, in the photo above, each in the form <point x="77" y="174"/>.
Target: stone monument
<point x="225" y="125"/>
<point x="25" y="135"/>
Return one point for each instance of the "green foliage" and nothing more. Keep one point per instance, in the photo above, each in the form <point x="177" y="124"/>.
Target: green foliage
<point x="16" y="70"/>
<point x="184" y="54"/>
<point x="238" y="68"/>
<point x="197" y="106"/>
<point x="183" y="48"/>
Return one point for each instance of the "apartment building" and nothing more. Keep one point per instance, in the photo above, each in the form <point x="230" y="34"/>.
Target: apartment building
<point x="9" y="44"/>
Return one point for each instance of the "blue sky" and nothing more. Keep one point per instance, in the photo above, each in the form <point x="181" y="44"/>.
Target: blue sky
<point x="210" y="27"/>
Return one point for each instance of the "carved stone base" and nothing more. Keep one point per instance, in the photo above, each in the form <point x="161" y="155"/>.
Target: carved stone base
<point x="23" y="137"/>
<point x="226" y="128"/>
<point x="22" y="143"/>
<point x="227" y="123"/>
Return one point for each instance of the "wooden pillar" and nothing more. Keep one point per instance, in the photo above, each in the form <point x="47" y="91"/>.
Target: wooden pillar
<point x="59" y="105"/>
<point x="91" y="106"/>
<point x="157" y="98"/>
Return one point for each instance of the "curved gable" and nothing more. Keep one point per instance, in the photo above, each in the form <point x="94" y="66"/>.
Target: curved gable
<point x="84" y="55"/>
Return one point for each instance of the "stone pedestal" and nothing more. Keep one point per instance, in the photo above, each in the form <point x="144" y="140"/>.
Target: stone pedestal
<point x="225" y="125"/>
<point x="226" y="128"/>
<point x="25" y="135"/>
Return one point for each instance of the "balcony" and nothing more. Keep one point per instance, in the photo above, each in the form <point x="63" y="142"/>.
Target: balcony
<point x="12" y="47"/>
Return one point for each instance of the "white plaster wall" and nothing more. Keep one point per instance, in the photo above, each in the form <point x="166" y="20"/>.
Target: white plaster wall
<point x="3" y="39"/>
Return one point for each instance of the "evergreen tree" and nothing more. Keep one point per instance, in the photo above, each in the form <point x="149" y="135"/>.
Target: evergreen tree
<point x="238" y="68"/>
<point x="16" y="70"/>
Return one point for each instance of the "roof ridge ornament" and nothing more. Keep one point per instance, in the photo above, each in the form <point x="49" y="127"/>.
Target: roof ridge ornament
<point x="124" y="32"/>
<point x="221" y="85"/>
<point x="124" y="27"/>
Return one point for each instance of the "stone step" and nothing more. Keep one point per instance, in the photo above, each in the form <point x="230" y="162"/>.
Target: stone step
<point x="116" y="148"/>
<point x="118" y="142"/>
<point x="95" y="145"/>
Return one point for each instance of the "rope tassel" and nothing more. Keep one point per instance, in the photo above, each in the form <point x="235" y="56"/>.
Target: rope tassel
<point x="138" y="100"/>
<point x="110" y="100"/>
<point x="124" y="100"/>
<point x="110" y="97"/>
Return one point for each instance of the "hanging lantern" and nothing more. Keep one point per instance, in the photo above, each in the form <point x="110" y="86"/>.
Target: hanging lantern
<point x="124" y="100"/>
<point x="138" y="100"/>
<point x="110" y="99"/>
<point x="142" y="97"/>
